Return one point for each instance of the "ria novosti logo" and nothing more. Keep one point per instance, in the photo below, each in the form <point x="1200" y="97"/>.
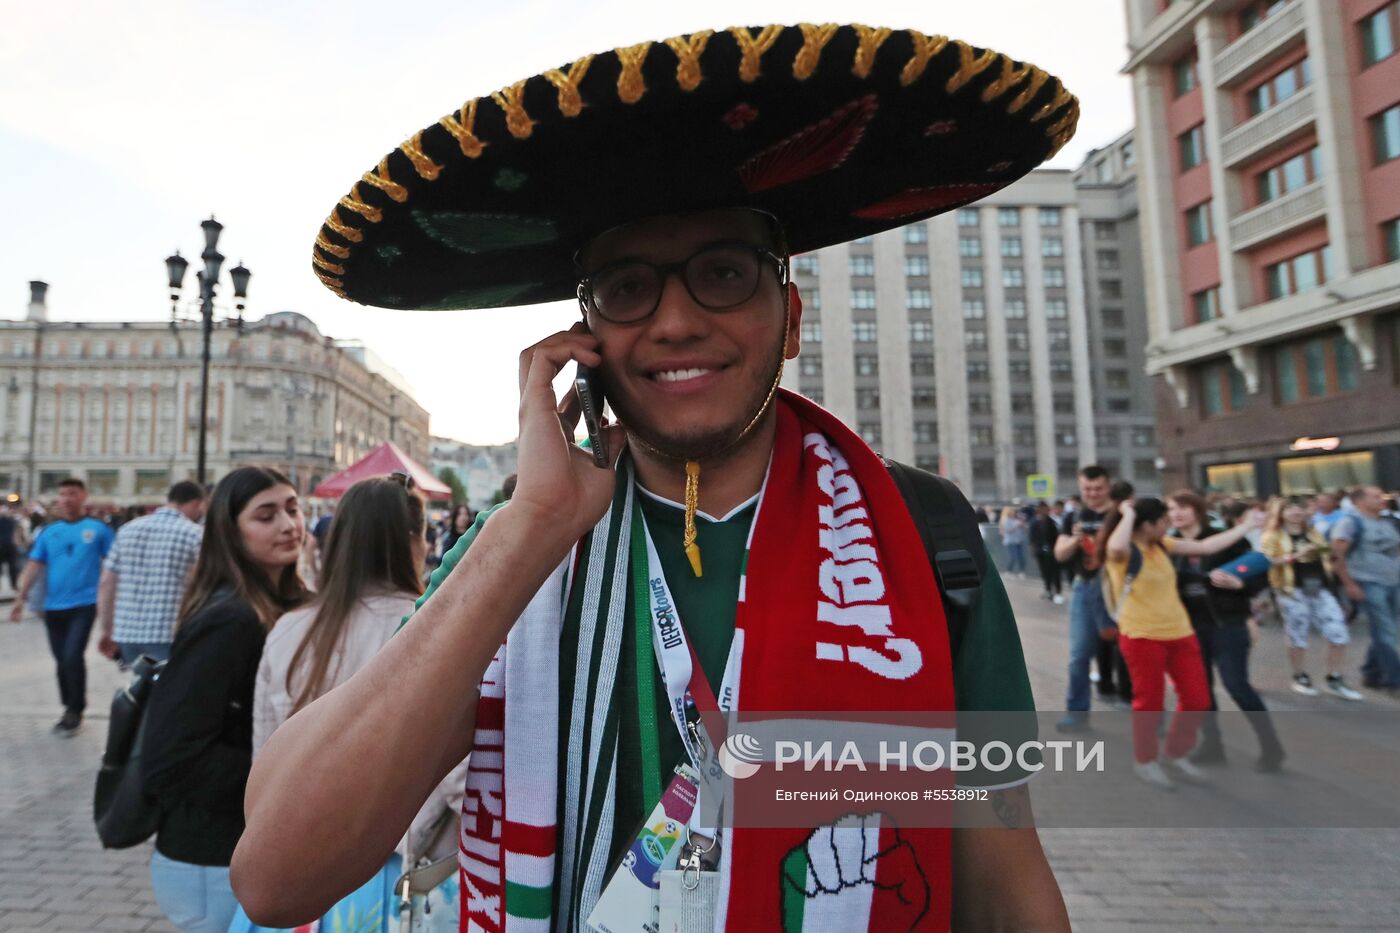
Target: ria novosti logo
<point x="740" y="755"/>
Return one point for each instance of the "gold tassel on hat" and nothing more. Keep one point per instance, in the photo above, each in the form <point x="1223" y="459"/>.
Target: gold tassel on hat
<point x="692" y="501"/>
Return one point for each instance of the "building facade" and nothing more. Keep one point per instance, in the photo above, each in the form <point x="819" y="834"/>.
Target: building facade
<point x="1268" y="142"/>
<point x="980" y="345"/>
<point x="117" y="404"/>
<point x="480" y="469"/>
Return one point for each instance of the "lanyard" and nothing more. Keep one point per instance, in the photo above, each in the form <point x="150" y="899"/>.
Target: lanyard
<point x="662" y="646"/>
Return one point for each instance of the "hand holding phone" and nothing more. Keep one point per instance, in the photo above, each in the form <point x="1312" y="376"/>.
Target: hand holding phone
<point x="590" y="396"/>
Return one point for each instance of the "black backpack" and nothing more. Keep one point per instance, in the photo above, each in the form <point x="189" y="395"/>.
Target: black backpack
<point x="125" y="816"/>
<point x="952" y="539"/>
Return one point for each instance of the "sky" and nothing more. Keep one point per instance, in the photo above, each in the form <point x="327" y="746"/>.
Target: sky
<point x="124" y="123"/>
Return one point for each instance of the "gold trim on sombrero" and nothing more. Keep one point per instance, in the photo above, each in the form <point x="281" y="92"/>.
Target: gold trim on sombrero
<point x="511" y="100"/>
<point x="925" y="47"/>
<point x="380" y="179"/>
<point x="970" y="65"/>
<point x="335" y="223"/>
<point x="461" y="127"/>
<point x="751" y="49"/>
<point x="1032" y="88"/>
<point x="426" y="168"/>
<point x="339" y="252"/>
<point x="324" y="264"/>
<point x="570" y="103"/>
<point x="870" y="41"/>
<point x="1010" y="77"/>
<point x="352" y="201"/>
<point x="814" y="39"/>
<point x="688" y="50"/>
<point x="630" y="83"/>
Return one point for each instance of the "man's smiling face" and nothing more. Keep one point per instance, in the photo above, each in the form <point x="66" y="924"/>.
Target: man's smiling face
<point x="688" y="380"/>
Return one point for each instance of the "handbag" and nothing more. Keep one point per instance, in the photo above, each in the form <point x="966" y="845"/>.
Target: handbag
<point x="124" y="814"/>
<point x="429" y="883"/>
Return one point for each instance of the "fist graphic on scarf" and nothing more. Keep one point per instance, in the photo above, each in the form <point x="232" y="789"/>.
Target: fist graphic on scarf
<point x="842" y="866"/>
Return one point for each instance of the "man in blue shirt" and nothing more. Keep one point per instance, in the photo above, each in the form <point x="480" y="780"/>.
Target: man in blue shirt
<point x="71" y="550"/>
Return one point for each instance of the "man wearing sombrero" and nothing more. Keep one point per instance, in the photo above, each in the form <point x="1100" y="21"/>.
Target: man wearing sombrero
<point x="746" y="550"/>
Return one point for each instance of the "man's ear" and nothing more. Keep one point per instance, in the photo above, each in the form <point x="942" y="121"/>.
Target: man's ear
<point x="794" y="316"/>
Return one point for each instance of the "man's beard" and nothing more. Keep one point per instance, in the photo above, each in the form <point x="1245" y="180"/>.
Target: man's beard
<point x="698" y="443"/>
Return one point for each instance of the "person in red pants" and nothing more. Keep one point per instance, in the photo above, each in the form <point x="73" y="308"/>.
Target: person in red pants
<point x="1155" y="633"/>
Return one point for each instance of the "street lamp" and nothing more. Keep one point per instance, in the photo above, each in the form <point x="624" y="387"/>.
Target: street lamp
<point x="175" y="267"/>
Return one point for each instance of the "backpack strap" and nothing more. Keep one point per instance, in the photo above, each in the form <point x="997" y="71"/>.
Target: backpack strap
<point x="952" y="540"/>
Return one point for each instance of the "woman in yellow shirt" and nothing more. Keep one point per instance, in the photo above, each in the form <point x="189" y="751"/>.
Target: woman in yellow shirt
<point x="1154" y="630"/>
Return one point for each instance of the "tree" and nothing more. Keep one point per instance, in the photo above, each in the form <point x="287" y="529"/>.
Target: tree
<point x="454" y="482"/>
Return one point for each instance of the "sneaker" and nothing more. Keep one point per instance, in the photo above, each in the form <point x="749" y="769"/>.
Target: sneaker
<point x="70" y="725"/>
<point x="1208" y="753"/>
<point x="1338" y="688"/>
<point x="1303" y="684"/>
<point x="1073" y="723"/>
<point x="1093" y="677"/>
<point x="1058" y="600"/>
<point x="1151" y="772"/>
<point x="1187" y="771"/>
<point x="1269" y="762"/>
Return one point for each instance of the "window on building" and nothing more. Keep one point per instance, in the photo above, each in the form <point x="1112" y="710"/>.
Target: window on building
<point x="924" y="397"/>
<point x="1205" y="304"/>
<point x="969" y="246"/>
<point x="920" y="299"/>
<point x="1278" y="88"/>
<point x="1062" y="404"/>
<point x="1111" y="289"/>
<point x="867" y="398"/>
<point x="1112" y="317"/>
<point x="152" y="482"/>
<point x="1222" y="389"/>
<point x="816" y="394"/>
<point x="1129" y="154"/>
<point x="1022" y="404"/>
<point x="1119" y="405"/>
<point x="916" y="265"/>
<point x="1144" y="468"/>
<point x="1385" y="135"/>
<point x="1191" y="146"/>
<point x="1108" y="260"/>
<point x="920" y="364"/>
<point x="967" y="217"/>
<point x="870" y="432"/>
<point x="1142" y="435"/>
<point x="977" y="371"/>
<point x="925" y="432"/>
<point x="812" y="331"/>
<point x="981" y="436"/>
<point x="1018" y="340"/>
<point x="1054" y="276"/>
<point x="867" y="364"/>
<point x="863" y="299"/>
<point x="1023" y="436"/>
<point x="1378" y="33"/>
<point x="1014" y="309"/>
<point x="1390" y="240"/>
<point x="1008" y="217"/>
<point x="807" y="265"/>
<point x="1059" y="338"/>
<point x="1066" y="437"/>
<point x="1198" y="224"/>
<point x="1013" y="277"/>
<point x="811" y="298"/>
<point x="1184" y="79"/>
<point x="921" y="331"/>
<point x="974" y="309"/>
<point x="1105" y="230"/>
<point x="1115" y="347"/>
<point x="1025" y="466"/>
<point x="1019" y="370"/>
<point x="1299" y="274"/>
<point x="1315" y="368"/>
<point x="809" y="365"/>
<point x="1061" y="371"/>
<point x="975" y="339"/>
<point x="915" y="234"/>
<point x="1115" y="378"/>
<point x="1106" y="435"/>
<point x="1287" y="176"/>
<point x="1052" y="246"/>
<point x="971" y="276"/>
<point x="1049" y="216"/>
<point x="862" y="265"/>
<point x="1257" y="11"/>
<point x="1056" y="309"/>
<point x="1011" y="246"/>
<point x="863" y="331"/>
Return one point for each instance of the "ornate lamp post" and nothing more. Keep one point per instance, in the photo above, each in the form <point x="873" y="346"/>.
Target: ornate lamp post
<point x="175" y="267"/>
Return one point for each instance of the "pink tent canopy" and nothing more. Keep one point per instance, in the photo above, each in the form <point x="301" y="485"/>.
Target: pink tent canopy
<point x="381" y="461"/>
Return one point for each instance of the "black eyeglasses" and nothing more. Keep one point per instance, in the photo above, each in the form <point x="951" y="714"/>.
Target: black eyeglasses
<point x="718" y="277"/>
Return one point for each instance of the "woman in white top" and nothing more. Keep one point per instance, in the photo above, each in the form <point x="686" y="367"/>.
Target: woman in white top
<point x="371" y="573"/>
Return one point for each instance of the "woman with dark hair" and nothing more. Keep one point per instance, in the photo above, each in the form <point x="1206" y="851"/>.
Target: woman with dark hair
<point x="457" y="525"/>
<point x="1155" y="633"/>
<point x="371" y="573"/>
<point x="199" y="728"/>
<point x="1219" y="606"/>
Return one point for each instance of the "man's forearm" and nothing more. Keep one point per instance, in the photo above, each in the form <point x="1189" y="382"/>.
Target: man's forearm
<point x="1001" y="878"/>
<point x="1065" y="546"/>
<point x="336" y="786"/>
<point x="106" y="601"/>
<point x="26" y="580"/>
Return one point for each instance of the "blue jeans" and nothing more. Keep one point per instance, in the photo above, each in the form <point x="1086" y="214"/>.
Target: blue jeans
<point x="68" y="637"/>
<point x="1382" y="665"/>
<point x="1016" y="558"/>
<point x="1087" y="617"/>
<point x="1225" y="648"/>
<point x="196" y="898"/>
<point x="130" y="651"/>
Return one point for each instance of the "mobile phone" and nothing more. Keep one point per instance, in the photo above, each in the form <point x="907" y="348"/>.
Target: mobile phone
<point x="590" y="396"/>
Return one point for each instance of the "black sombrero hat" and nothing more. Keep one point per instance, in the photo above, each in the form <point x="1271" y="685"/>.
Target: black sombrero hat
<point x="839" y="131"/>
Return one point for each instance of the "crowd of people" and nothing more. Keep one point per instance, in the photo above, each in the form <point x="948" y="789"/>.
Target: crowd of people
<point x="1176" y="589"/>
